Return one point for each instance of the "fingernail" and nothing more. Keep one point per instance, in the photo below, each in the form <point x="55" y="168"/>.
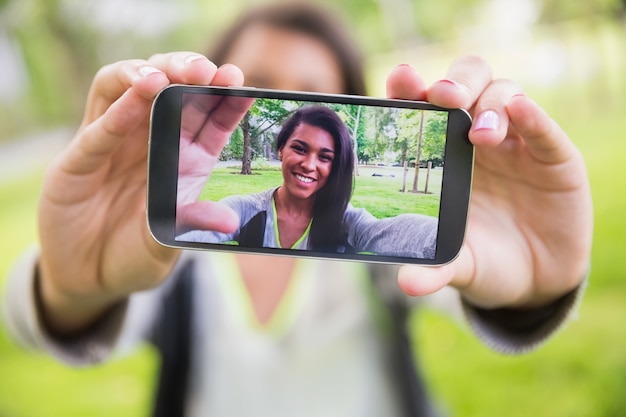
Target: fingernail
<point x="487" y="120"/>
<point x="146" y="70"/>
<point x="456" y="84"/>
<point x="192" y="58"/>
<point x="451" y="82"/>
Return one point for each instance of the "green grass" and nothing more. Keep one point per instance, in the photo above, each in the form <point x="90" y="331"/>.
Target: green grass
<point x="381" y="196"/>
<point x="33" y="384"/>
<point x="582" y="372"/>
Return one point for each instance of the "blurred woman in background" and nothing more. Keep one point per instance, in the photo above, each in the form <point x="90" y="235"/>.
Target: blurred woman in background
<point x="256" y="335"/>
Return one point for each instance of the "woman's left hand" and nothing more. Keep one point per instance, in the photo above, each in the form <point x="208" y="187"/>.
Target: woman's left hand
<point x="530" y="225"/>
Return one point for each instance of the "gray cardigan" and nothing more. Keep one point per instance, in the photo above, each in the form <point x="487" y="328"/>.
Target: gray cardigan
<point x="505" y="331"/>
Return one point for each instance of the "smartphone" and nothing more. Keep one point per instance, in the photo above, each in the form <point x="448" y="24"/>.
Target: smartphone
<point x="307" y="174"/>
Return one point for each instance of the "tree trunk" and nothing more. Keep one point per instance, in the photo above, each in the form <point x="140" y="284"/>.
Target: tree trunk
<point x="246" y="159"/>
<point x="419" y="153"/>
<point x="355" y="144"/>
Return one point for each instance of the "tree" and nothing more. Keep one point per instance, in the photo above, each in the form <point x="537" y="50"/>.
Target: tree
<point x="246" y="158"/>
<point x="234" y="147"/>
<point x="264" y="116"/>
<point x="434" y="141"/>
<point x="352" y="115"/>
<point x="418" y="157"/>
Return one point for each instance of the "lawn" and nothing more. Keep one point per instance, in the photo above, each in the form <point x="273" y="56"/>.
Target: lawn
<point x="35" y="385"/>
<point x="377" y="189"/>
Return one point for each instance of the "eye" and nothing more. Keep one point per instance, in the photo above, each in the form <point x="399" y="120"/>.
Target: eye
<point x="325" y="158"/>
<point x="298" y="148"/>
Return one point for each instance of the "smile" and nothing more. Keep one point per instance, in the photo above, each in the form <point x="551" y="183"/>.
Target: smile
<point x="304" y="179"/>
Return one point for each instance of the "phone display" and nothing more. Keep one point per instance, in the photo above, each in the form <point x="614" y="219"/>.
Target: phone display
<point x="307" y="174"/>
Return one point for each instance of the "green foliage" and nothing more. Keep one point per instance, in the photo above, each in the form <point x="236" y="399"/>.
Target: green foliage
<point x="262" y="123"/>
<point x="234" y="147"/>
<point x="557" y="10"/>
<point x="434" y="145"/>
<point x="443" y="19"/>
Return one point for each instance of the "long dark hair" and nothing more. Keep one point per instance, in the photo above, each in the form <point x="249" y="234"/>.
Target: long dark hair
<point x="331" y="200"/>
<point x="307" y="19"/>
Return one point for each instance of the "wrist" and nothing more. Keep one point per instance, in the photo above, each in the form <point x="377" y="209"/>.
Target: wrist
<point x="64" y="314"/>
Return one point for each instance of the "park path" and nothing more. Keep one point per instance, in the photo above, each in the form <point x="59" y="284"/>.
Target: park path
<point x="23" y="156"/>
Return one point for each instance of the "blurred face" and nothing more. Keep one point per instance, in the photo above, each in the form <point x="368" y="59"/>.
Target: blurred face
<point x="285" y="60"/>
<point x="307" y="159"/>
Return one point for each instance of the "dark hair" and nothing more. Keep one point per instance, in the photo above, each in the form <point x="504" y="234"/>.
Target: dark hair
<point x="332" y="200"/>
<point x="309" y="20"/>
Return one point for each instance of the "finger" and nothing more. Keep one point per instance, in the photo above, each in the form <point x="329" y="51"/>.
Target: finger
<point x="198" y="107"/>
<point x="228" y="75"/>
<point x="212" y="120"/>
<point x="222" y="122"/>
<point x="546" y="141"/>
<point x="99" y="138"/>
<point x="113" y="80"/>
<point x="405" y="83"/>
<point x="207" y="215"/>
<point x="465" y="81"/>
<point x="185" y="67"/>
<point x="491" y="119"/>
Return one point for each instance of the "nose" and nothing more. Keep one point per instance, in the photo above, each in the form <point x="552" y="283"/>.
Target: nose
<point x="309" y="162"/>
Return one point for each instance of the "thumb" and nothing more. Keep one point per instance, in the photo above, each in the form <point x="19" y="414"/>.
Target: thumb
<point x="207" y="215"/>
<point x="417" y="280"/>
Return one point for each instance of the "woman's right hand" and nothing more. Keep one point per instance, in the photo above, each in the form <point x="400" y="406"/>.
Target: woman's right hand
<point x="95" y="245"/>
<point x="207" y="123"/>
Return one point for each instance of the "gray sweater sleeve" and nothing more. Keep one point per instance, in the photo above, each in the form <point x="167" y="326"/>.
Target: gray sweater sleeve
<point x="121" y="329"/>
<point x="518" y="331"/>
<point x="405" y="235"/>
<point x="22" y="317"/>
<point x="246" y="206"/>
<point x="507" y="331"/>
<point x="504" y="330"/>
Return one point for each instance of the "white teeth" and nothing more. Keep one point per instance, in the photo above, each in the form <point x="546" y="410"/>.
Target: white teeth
<point x="303" y="179"/>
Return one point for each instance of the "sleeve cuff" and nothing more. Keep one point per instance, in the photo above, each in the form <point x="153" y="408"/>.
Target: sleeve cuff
<point x="24" y="322"/>
<point x="513" y="332"/>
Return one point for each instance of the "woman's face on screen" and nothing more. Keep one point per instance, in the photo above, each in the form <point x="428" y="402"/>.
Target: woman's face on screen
<point x="307" y="160"/>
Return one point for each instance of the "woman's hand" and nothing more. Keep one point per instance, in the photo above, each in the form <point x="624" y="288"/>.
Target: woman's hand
<point x="207" y="123"/>
<point x="95" y="245"/>
<point x="530" y="224"/>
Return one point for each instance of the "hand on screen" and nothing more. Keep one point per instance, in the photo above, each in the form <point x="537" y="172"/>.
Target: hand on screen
<point x="207" y="123"/>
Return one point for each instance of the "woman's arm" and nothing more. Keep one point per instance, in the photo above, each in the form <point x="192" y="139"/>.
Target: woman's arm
<point x="405" y="235"/>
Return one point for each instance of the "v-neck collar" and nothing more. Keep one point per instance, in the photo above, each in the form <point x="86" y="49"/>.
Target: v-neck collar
<point x="239" y="301"/>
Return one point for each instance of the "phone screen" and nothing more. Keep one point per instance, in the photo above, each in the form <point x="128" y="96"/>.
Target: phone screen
<point x="317" y="175"/>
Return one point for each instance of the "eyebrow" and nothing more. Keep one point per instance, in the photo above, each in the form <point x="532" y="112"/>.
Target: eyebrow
<point x="303" y="143"/>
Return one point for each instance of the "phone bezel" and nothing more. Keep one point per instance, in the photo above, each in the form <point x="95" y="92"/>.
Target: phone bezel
<point x="163" y="159"/>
